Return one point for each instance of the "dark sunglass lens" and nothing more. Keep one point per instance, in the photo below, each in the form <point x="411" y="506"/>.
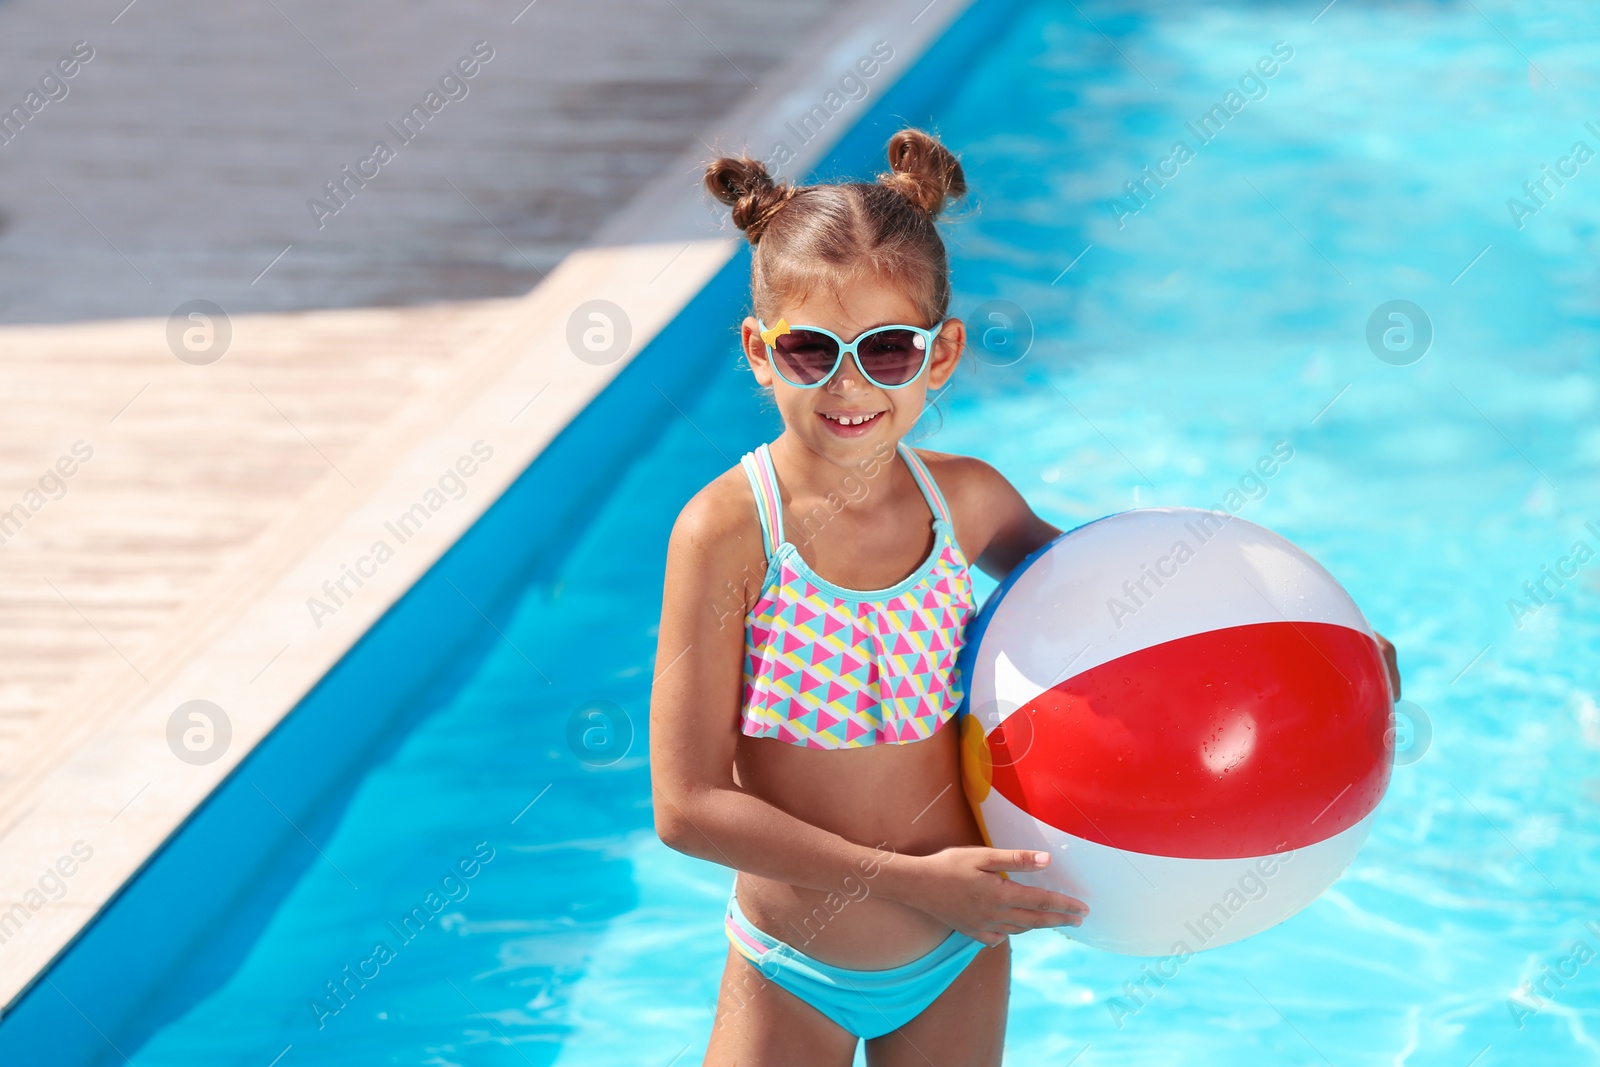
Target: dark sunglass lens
<point x="892" y="357"/>
<point x="804" y="356"/>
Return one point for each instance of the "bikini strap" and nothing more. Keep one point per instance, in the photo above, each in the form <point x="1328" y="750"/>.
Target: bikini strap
<point x="769" y="506"/>
<point x="925" y="482"/>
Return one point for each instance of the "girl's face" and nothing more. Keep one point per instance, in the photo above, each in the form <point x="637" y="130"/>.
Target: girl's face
<point x="865" y="304"/>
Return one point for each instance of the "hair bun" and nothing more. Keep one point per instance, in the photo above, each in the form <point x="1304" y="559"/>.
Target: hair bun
<point x="744" y="184"/>
<point x="924" y="171"/>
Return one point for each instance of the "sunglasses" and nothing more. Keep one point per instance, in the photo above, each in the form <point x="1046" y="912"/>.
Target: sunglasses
<point x="890" y="357"/>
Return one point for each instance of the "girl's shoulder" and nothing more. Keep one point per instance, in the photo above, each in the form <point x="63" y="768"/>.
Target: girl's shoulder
<point x="717" y="537"/>
<point x="937" y="460"/>
<point x="980" y="498"/>
<point x="961" y="478"/>
<point x="722" y="512"/>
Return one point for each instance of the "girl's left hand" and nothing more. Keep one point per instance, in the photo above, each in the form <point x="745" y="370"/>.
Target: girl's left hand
<point x="1391" y="662"/>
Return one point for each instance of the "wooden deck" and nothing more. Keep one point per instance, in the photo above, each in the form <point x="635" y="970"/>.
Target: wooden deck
<point x="163" y="520"/>
<point x="181" y="161"/>
<point x="182" y="478"/>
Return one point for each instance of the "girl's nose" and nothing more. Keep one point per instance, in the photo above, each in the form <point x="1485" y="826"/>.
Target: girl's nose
<point x="847" y="377"/>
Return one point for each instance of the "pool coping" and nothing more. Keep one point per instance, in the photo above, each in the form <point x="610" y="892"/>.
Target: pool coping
<point x="123" y="793"/>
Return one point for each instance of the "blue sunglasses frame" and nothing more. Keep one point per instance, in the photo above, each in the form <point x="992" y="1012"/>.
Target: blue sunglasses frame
<point x="928" y="336"/>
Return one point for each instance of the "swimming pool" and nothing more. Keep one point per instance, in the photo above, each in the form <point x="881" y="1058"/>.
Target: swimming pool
<point x="1175" y="338"/>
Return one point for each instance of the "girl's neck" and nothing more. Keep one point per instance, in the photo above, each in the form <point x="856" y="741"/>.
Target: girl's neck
<point x="810" y="476"/>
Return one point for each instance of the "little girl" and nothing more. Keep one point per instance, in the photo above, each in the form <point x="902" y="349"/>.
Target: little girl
<point x="814" y="604"/>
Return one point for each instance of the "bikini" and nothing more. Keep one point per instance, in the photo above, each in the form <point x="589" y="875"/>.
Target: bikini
<point x="831" y="667"/>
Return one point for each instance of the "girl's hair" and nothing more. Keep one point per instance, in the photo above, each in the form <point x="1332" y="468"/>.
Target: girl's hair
<point x="808" y="236"/>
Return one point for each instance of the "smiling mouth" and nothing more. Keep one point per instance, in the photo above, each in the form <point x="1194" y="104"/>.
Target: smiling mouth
<point x="850" y="420"/>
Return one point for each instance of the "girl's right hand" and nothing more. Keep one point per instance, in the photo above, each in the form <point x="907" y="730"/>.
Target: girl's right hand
<point x="962" y="887"/>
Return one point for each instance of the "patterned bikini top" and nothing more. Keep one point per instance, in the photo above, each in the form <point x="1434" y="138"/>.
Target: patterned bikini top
<point x="830" y="667"/>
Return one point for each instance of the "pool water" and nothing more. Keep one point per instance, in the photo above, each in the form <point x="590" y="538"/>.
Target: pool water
<point x="1189" y="337"/>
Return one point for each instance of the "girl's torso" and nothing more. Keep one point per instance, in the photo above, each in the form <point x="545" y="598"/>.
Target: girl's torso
<point x="847" y="720"/>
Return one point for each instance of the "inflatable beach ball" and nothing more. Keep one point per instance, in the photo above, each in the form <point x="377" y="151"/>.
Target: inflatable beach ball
<point x="1188" y="713"/>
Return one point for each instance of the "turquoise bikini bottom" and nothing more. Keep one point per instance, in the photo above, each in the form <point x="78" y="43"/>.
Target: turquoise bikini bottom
<point x="867" y="1003"/>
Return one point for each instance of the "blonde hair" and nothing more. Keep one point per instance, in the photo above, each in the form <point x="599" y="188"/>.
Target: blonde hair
<point x="805" y="237"/>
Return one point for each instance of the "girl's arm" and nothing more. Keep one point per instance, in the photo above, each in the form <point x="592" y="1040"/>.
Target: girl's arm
<point x="1013" y="531"/>
<point x="1010" y="528"/>
<point x="694" y="713"/>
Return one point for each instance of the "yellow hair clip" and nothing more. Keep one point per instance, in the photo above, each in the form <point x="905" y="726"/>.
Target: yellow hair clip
<point x="776" y="332"/>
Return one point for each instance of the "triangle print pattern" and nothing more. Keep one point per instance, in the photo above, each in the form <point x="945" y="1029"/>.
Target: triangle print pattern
<point x="825" y="671"/>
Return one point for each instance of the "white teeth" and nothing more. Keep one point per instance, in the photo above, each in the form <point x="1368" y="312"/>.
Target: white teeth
<point x="854" y="421"/>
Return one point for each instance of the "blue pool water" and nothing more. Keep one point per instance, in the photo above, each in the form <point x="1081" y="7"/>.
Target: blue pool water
<point x="1226" y="314"/>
